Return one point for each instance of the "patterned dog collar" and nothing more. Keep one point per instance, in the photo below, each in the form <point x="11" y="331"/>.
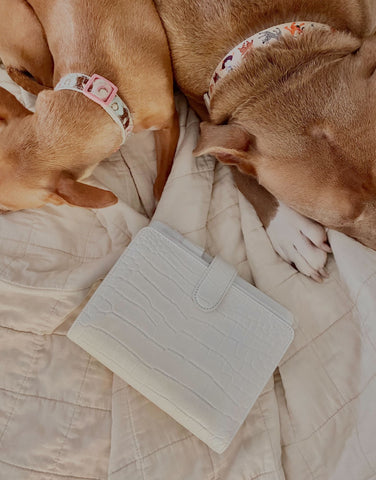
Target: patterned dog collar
<point x="261" y="39"/>
<point x="102" y="92"/>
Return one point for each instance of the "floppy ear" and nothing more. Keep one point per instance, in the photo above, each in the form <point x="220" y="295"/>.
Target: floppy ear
<point x="10" y="108"/>
<point x="230" y="144"/>
<point x="78" y="194"/>
<point x="26" y="81"/>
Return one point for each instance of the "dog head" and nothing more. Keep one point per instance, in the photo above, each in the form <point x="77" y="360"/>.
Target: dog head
<point x="35" y="158"/>
<point x="301" y="117"/>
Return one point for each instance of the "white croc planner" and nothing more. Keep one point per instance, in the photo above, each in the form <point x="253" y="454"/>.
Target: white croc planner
<point x="185" y="331"/>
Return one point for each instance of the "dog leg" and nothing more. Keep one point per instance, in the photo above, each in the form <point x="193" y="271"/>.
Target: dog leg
<point x="23" y="46"/>
<point x="166" y="141"/>
<point x="298" y="240"/>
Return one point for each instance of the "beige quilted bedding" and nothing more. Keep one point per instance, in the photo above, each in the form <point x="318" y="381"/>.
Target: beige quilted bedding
<point x="64" y="416"/>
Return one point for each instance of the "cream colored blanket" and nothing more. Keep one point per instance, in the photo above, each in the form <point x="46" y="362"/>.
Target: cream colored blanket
<point x="64" y="416"/>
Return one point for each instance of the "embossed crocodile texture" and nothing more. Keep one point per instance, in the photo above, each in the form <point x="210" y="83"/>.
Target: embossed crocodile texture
<point x="204" y="368"/>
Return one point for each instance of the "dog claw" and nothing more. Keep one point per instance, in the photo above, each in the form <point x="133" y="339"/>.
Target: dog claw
<point x="326" y="247"/>
<point x="317" y="277"/>
<point x="320" y="275"/>
<point x="300" y="241"/>
<point x="324" y="273"/>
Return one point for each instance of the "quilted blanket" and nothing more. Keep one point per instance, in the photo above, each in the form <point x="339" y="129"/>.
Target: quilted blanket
<point x="63" y="416"/>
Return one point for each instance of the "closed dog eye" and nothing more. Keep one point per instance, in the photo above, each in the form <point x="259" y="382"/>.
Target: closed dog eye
<point x="26" y="73"/>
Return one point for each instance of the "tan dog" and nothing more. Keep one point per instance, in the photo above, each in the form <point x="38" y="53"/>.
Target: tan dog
<point x="298" y="115"/>
<point x="43" y="154"/>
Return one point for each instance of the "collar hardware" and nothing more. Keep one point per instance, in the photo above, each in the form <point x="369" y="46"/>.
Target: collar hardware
<point x="104" y="93"/>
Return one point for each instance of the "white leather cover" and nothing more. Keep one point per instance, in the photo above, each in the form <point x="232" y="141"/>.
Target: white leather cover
<point x="186" y="332"/>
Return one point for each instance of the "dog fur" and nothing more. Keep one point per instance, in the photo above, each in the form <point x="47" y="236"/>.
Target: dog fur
<point x="299" y="115"/>
<point x="42" y="155"/>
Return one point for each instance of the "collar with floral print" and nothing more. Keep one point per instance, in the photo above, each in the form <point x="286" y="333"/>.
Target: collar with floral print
<point x="261" y="39"/>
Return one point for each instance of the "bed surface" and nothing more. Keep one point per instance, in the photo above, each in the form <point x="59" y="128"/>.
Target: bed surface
<point x="64" y="416"/>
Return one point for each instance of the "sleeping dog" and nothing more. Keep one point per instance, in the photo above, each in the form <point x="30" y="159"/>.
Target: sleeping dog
<point x="100" y="72"/>
<point x="291" y="92"/>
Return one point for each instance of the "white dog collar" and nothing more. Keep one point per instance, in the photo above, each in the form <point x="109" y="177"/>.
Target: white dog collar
<point x="261" y="39"/>
<point x="102" y="92"/>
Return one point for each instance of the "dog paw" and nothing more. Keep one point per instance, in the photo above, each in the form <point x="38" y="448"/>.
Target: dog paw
<point x="299" y="241"/>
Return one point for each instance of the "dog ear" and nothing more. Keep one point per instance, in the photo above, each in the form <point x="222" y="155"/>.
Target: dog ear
<point x="10" y="108"/>
<point x="366" y="56"/>
<point x="26" y="81"/>
<point x="79" y="194"/>
<point x="230" y="144"/>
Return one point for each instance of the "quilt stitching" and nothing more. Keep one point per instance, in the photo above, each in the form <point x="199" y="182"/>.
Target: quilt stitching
<point x="371" y="467"/>
<point x="8" y="266"/>
<point x="344" y="291"/>
<point x="27" y="376"/>
<point x="45" y="289"/>
<point x="300" y="450"/>
<point x="26" y="332"/>
<point x="139" y="459"/>
<point x="329" y="375"/>
<point x="57" y="460"/>
<point x="55" y="304"/>
<point x="126" y="233"/>
<point x="125" y="164"/>
<point x="289" y="415"/>
<point x="189" y="174"/>
<point x="210" y="219"/>
<point x="52" y="249"/>
<point x="151" y="453"/>
<point x="85" y="248"/>
<point x="259" y="475"/>
<point x="54" y="307"/>
<point x="294" y="275"/>
<point x="56" y="400"/>
<point x="297" y="442"/>
<point x="316" y="337"/>
<point x="215" y="475"/>
<point x="318" y="357"/>
<point x="365" y="331"/>
<point x="56" y="475"/>
<point x="269" y="437"/>
<point x="365" y="283"/>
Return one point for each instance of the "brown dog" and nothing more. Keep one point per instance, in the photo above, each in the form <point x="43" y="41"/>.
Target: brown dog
<point x="299" y="115"/>
<point x="43" y="154"/>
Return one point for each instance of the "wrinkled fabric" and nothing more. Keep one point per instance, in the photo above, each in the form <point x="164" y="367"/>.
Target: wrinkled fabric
<point x="64" y="416"/>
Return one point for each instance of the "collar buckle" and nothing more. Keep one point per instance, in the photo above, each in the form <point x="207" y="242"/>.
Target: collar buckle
<point x="104" y="93"/>
<point x="100" y="90"/>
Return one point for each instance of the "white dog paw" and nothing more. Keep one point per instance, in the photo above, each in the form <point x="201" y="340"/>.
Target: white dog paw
<point x="300" y="241"/>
